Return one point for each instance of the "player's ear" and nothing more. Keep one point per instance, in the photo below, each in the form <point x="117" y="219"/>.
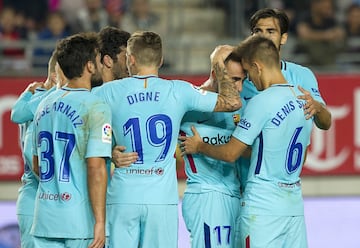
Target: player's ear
<point x="53" y="77"/>
<point x="161" y="62"/>
<point x="131" y="59"/>
<point x="284" y="38"/>
<point x="108" y="61"/>
<point x="213" y="74"/>
<point x="90" y="66"/>
<point x="257" y="66"/>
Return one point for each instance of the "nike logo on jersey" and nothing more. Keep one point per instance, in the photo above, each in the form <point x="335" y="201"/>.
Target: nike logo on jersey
<point x="201" y="121"/>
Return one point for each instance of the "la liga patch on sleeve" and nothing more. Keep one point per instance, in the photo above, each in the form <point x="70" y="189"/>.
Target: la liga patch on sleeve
<point x="106" y="133"/>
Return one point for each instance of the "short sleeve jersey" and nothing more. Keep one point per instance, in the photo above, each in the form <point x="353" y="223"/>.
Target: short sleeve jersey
<point x="22" y="113"/>
<point x="294" y="74"/>
<point x="206" y="174"/>
<point x="70" y="125"/>
<point x="147" y="111"/>
<point x="274" y="126"/>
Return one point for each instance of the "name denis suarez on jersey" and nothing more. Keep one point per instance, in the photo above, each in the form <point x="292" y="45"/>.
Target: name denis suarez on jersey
<point x="280" y="115"/>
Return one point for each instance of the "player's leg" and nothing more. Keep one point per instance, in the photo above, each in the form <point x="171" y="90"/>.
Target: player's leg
<point x="41" y="242"/>
<point x="78" y="243"/>
<point x="159" y="226"/>
<point x="123" y="224"/>
<point x="296" y="234"/>
<point x="211" y="219"/>
<point x="258" y="231"/>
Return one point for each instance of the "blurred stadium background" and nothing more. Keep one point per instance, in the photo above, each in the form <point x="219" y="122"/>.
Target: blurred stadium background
<point x="190" y="30"/>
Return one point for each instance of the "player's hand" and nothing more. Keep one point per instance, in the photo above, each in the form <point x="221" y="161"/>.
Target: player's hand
<point x="217" y="58"/>
<point x="121" y="158"/>
<point x="32" y="86"/>
<point x="220" y="53"/>
<point x="190" y="145"/>
<point x="99" y="236"/>
<point x="221" y="73"/>
<point x="312" y="107"/>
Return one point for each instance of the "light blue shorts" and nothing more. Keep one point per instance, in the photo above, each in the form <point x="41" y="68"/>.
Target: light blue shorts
<point x="41" y="242"/>
<point x="211" y="219"/>
<point x="142" y="226"/>
<point x="258" y="231"/>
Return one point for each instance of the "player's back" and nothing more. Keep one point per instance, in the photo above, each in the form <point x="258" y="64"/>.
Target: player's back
<point x="294" y="74"/>
<point x="278" y="152"/>
<point x="23" y="111"/>
<point x="300" y="75"/>
<point x="68" y="128"/>
<point x="147" y="111"/>
<point x="204" y="173"/>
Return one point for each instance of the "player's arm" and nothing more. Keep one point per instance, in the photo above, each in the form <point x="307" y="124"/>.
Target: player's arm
<point x="20" y="112"/>
<point x="322" y="118"/>
<point x="228" y="152"/>
<point x="35" y="167"/>
<point x="229" y="98"/>
<point x="247" y="153"/>
<point x="313" y="108"/>
<point x="97" y="182"/>
<point x="178" y="157"/>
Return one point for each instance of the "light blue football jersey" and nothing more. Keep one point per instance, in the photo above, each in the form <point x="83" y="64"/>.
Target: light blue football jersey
<point x="274" y="125"/>
<point x="26" y="198"/>
<point x="37" y="98"/>
<point x="21" y="113"/>
<point x="147" y="112"/>
<point x="294" y="74"/>
<point x="205" y="174"/>
<point x="70" y="125"/>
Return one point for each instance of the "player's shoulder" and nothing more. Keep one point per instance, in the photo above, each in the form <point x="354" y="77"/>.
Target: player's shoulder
<point x="182" y="86"/>
<point x="178" y="82"/>
<point x="94" y="103"/>
<point x="260" y="99"/>
<point x="107" y="87"/>
<point x="292" y="67"/>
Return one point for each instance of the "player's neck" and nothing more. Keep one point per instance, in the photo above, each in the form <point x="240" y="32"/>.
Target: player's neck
<point x="147" y="70"/>
<point x="274" y="77"/>
<point x="79" y="83"/>
<point x="209" y="85"/>
<point x="49" y="83"/>
<point x="108" y="78"/>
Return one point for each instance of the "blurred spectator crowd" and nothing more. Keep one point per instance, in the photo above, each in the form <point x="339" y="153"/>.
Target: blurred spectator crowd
<point x="326" y="33"/>
<point x="324" y="30"/>
<point x="41" y="23"/>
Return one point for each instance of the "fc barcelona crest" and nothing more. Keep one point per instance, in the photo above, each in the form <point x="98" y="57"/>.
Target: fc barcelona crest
<point x="236" y="119"/>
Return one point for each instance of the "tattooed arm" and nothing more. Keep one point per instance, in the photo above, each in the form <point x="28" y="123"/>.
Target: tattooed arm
<point x="229" y="97"/>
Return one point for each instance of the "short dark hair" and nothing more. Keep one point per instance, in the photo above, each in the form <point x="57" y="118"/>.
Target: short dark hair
<point x="75" y="51"/>
<point x="268" y="13"/>
<point x="233" y="57"/>
<point x="257" y="47"/>
<point x="111" y="40"/>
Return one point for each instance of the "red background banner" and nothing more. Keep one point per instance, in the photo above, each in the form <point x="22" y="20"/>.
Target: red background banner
<point x="332" y="152"/>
